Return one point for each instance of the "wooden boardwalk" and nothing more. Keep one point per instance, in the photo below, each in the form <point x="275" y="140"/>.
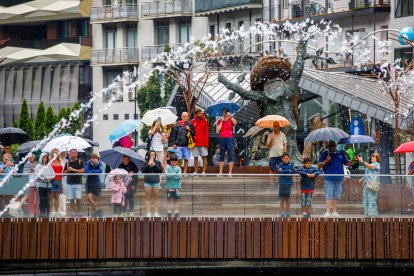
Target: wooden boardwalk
<point x="207" y="238"/>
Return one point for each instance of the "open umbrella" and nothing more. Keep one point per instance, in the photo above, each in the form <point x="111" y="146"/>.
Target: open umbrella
<point x="269" y="120"/>
<point x="12" y="135"/>
<point x="357" y="139"/>
<point x="126" y="178"/>
<point x="216" y="109"/>
<point x="406" y="147"/>
<point x="113" y="157"/>
<point x="326" y="134"/>
<point x="91" y="142"/>
<point x="26" y="147"/>
<point x="171" y="108"/>
<point x="66" y="143"/>
<point x="165" y="115"/>
<point x="123" y="129"/>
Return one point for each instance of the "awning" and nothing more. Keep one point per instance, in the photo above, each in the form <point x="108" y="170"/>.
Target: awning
<point x="229" y="9"/>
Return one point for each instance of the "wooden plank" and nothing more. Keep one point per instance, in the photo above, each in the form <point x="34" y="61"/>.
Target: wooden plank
<point x="248" y="238"/>
<point x="359" y="240"/>
<point x="379" y="240"/>
<point x="7" y="239"/>
<point x="219" y="238"/>
<point x="146" y="238"/>
<point x="404" y="239"/>
<point x="368" y="239"/>
<point x="397" y="239"/>
<point x="157" y="242"/>
<point x="285" y="237"/>
<point x="109" y="238"/>
<point x="82" y="241"/>
<point x="294" y="237"/>
<point x="231" y="238"/>
<point x="101" y="239"/>
<point x="195" y="224"/>
<point x="330" y="233"/>
<point x="120" y="238"/>
<point x="174" y="239"/>
<point x="387" y="238"/>
<point x="268" y="238"/>
<point x="322" y="239"/>
<point x="44" y="249"/>
<point x="93" y="244"/>
<point x="341" y="237"/>
<point x="25" y="239"/>
<point x="256" y="238"/>
<point x="17" y="239"/>
<point x="138" y="238"/>
<point x="71" y="239"/>
<point x="62" y="240"/>
<point x="54" y="249"/>
<point x="204" y="238"/>
<point x="182" y="238"/>
<point x="316" y="243"/>
<point x="279" y="238"/>
<point x="304" y="240"/>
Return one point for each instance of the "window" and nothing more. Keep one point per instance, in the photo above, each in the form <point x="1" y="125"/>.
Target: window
<point x="116" y="92"/>
<point x="105" y="117"/>
<point x="259" y="37"/>
<point x="227" y="27"/>
<point x="126" y="117"/>
<point x="64" y="30"/>
<point x="405" y="54"/>
<point x="111" y="38"/>
<point x="403" y="8"/>
<point x="163" y="33"/>
<point x="131" y="36"/>
<point x="135" y="116"/>
<point x="116" y="117"/>
<point x="184" y="30"/>
<point x="82" y="27"/>
<point x="212" y="32"/>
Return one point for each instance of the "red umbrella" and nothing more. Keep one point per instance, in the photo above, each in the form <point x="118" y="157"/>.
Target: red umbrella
<point x="406" y="147"/>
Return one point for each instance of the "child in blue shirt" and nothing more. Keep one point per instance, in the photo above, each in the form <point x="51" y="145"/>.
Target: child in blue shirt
<point x="285" y="184"/>
<point x="173" y="185"/>
<point x="308" y="173"/>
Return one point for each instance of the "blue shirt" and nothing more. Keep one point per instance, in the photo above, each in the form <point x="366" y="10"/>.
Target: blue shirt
<point x="335" y="166"/>
<point x="307" y="183"/>
<point x="96" y="169"/>
<point x="173" y="176"/>
<point x="5" y="172"/>
<point x="286" y="169"/>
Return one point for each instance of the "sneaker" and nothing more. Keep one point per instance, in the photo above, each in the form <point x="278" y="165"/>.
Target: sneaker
<point x="177" y="215"/>
<point x="195" y="174"/>
<point x="336" y="215"/>
<point x="327" y="215"/>
<point x="156" y="215"/>
<point x="148" y="215"/>
<point x="203" y="174"/>
<point x="169" y="215"/>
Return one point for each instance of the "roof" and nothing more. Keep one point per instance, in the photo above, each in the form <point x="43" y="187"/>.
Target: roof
<point x="361" y="94"/>
<point x="62" y="51"/>
<point x="44" y="10"/>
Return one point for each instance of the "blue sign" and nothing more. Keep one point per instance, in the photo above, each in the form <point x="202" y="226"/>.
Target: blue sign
<point x="357" y="126"/>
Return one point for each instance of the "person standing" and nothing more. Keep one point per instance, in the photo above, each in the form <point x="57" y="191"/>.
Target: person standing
<point x="93" y="182"/>
<point x="75" y="169"/>
<point x="62" y="196"/>
<point x="181" y="134"/>
<point x="118" y="194"/>
<point x="56" y="183"/>
<point x="158" y="139"/>
<point x="173" y="186"/>
<point x="369" y="197"/>
<point x="285" y="184"/>
<point x="43" y="185"/>
<point x="29" y="170"/>
<point x="277" y="143"/>
<point x="201" y="139"/>
<point x="307" y="173"/>
<point x="332" y="161"/>
<point x="225" y="130"/>
<point x="132" y="169"/>
<point x="151" y="170"/>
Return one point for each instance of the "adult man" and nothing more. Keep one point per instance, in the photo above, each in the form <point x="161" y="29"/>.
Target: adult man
<point x="93" y="182"/>
<point x="132" y="169"/>
<point x="180" y="139"/>
<point x="201" y="129"/>
<point x="277" y="143"/>
<point x="332" y="161"/>
<point x="75" y="169"/>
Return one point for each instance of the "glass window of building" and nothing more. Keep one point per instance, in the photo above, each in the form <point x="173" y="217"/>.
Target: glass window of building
<point x="110" y="35"/>
<point x="163" y="33"/>
<point x="64" y="30"/>
<point x="116" y="117"/>
<point x="403" y="8"/>
<point x="105" y="117"/>
<point x="212" y="32"/>
<point x="116" y="92"/>
<point x="185" y="30"/>
<point x="405" y="54"/>
<point x="126" y="117"/>
<point x="82" y="27"/>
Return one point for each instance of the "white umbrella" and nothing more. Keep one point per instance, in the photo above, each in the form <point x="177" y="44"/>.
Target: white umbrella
<point x="165" y="115"/>
<point x="121" y="172"/>
<point x="66" y="143"/>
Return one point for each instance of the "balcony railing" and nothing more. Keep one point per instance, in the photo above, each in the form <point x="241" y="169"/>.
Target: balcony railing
<point x="154" y="53"/>
<point x="115" y="56"/>
<point x="47" y="43"/>
<point x="209" y="5"/>
<point x="297" y="9"/>
<point x="159" y="9"/>
<point x="120" y="12"/>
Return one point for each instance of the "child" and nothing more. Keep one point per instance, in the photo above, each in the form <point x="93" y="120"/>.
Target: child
<point x="307" y="185"/>
<point x="173" y="185"/>
<point x="285" y="185"/>
<point x="29" y="170"/>
<point x="118" y="194"/>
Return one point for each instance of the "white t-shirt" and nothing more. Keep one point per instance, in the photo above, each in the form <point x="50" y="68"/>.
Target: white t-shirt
<point x="276" y="149"/>
<point x="156" y="143"/>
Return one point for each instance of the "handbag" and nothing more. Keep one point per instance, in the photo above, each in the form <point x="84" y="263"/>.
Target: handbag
<point x="373" y="185"/>
<point x="191" y="143"/>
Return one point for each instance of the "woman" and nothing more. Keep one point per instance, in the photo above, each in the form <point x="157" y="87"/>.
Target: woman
<point x="56" y="183"/>
<point x="152" y="181"/>
<point x="225" y="129"/>
<point x="369" y="197"/>
<point x="157" y="140"/>
<point x="43" y="186"/>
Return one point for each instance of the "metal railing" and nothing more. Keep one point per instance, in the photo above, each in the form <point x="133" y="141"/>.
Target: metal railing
<point x="298" y="9"/>
<point x="208" y="5"/>
<point x="154" y="53"/>
<point x="241" y="195"/>
<point x="114" y="12"/>
<point x="115" y="56"/>
<point x="157" y="9"/>
<point x="47" y="43"/>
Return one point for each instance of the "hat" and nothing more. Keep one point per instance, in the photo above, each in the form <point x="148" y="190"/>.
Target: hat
<point x="171" y="150"/>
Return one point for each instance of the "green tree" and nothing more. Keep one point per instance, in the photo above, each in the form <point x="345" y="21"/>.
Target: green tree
<point x="76" y="123"/>
<point x="25" y="122"/>
<point x="50" y="120"/>
<point x="148" y="98"/>
<point x="39" y="124"/>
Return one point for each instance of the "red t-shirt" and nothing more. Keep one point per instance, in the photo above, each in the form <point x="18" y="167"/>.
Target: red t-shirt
<point x="226" y="129"/>
<point x="58" y="171"/>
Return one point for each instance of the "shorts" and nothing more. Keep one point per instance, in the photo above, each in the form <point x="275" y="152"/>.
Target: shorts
<point x="199" y="151"/>
<point x="333" y="189"/>
<point x="183" y="153"/>
<point x="56" y="186"/>
<point x="173" y="194"/>
<point x="226" y="144"/>
<point x="152" y="185"/>
<point x="74" y="191"/>
<point x="274" y="162"/>
<point x="306" y="199"/>
<point x="284" y="190"/>
<point x="94" y="189"/>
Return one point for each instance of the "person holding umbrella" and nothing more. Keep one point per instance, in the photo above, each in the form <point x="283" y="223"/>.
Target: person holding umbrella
<point x="157" y="139"/>
<point x="277" y="143"/>
<point x="201" y="128"/>
<point x="131" y="168"/>
<point x="181" y="136"/>
<point x="225" y="130"/>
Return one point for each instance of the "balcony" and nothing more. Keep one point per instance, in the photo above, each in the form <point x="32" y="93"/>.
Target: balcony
<point x="114" y="13"/>
<point x="324" y="9"/>
<point x="154" y="53"/>
<point x="210" y="7"/>
<point x="164" y="9"/>
<point x="117" y="56"/>
<point x="42" y="44"/>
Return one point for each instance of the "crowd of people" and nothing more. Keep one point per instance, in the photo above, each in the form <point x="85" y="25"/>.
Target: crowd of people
<point x="47" y="196"/>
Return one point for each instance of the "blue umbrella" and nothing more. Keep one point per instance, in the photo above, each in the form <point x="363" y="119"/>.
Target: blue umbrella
<point x="113" y="157"/>
<point x="357" y="139"/>
<point x="216" y="109"/>
<point x="123" y="129"/>
<point x="326" y="134"/>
